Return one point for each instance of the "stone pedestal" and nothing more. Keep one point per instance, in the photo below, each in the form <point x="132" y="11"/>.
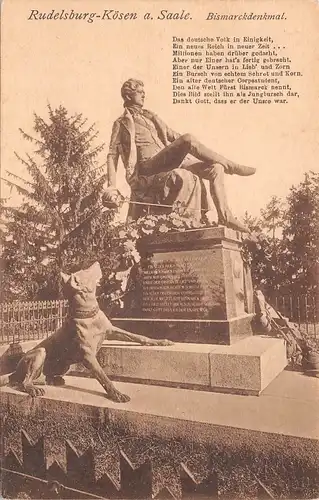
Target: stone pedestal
<point x="191" y="286"/>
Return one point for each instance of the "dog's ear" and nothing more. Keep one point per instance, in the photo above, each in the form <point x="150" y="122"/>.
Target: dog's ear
<point x="65" y="277"/>
<point x="95" y="269"/>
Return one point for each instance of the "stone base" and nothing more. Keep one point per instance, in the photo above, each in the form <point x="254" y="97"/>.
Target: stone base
<point x="246" y="367"/>
<point x="243" y="368"/>
<point x="225" y="332"/>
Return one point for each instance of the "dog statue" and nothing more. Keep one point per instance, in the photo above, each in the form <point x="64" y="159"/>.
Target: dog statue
<point x="77" y="341"/>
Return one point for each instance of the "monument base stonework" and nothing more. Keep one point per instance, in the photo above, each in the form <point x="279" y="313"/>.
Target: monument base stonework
<point x="245" y="368"/>
<point x="198" y="331"/>
<point x="190" y="286"/>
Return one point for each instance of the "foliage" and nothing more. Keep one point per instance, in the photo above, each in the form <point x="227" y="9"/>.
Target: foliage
<point x="120" y="253"/>
<point x="62" y="192"/>
<point x="285" y="257"/>
<point x="272" y="217"/>
<point x="301" y="234"/>
<point x="262" y="254"/>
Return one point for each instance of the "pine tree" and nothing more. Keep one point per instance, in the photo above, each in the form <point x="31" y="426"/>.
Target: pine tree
<point x="272" y="221"/>
<point x="272" y="217"/>
<point x="301" y="235"/>
<point x="59" y="223"/>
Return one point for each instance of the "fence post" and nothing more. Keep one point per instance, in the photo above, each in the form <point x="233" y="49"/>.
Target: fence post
<point x="1" y="323"/>
<point x="291" y="313"/>
<point x="60" y="313"/>
<point x="314" y="308"/>
<point x="306" y="314"/>
<point x="298" y="311"/>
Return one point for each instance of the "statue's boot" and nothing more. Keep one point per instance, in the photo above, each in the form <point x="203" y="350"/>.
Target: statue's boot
<point x="234" y="168"/>
<point x="233" y="223"/>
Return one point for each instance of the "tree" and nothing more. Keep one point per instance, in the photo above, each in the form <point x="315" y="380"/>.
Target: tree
<point x="272" y="217"/>
<point x="253" y="223"/>
<point x="285" y="259"/>
<point x="60" y="200"/>
<point x="272" y="222"/>
<point x="263" y="254"/>
<point x="301" y="235"/>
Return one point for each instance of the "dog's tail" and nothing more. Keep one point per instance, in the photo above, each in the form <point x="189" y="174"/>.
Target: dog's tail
<point x="4" y="379"/>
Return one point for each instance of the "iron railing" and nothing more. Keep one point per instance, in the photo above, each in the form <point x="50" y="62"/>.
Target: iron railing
<point x="300" y="309"/>
<point x="20" y="321"/>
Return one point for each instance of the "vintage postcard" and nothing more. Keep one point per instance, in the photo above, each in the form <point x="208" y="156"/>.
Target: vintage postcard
<point x="159" y="308"/>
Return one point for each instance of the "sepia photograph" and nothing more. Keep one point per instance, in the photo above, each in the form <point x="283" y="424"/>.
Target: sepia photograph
<point x="159" y="225"/>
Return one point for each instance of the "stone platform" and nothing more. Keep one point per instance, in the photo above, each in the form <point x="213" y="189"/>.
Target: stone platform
<point x="166" y="442"/>
<point x="246" y="367"/>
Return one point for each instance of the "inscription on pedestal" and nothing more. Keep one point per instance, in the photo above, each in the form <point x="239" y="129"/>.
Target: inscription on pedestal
<point x="184" y="285"/>
<point x="190" y="286"/>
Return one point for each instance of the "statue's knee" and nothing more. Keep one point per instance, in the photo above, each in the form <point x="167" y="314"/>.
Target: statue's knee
<point x="189" y="139"/>
<point x="217" y="169"/>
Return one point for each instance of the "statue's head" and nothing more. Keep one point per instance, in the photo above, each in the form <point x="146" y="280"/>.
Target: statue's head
<point x="133" y="93"/>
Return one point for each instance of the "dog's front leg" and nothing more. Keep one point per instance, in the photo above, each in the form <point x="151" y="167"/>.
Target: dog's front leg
<point x="92" y="364"/>
<point x="119" y="334"/>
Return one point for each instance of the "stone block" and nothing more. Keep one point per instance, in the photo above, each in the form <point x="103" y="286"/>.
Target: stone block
<point x="243" y="368"/>
<point x="180" y="364"/>
<point x="248" y="366"/>
<point x="273" y="361"/>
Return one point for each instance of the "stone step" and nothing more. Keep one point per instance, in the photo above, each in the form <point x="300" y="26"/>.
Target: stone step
<point x="246" y="367"/>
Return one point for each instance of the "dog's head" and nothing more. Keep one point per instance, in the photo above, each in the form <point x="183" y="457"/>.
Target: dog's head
<point x="80" y="287"/>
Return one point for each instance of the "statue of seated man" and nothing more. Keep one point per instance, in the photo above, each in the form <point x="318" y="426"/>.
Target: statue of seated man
<point x="149" y="150"/>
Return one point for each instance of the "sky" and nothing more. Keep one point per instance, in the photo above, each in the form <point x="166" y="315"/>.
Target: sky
<point x="83" y="65"/>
